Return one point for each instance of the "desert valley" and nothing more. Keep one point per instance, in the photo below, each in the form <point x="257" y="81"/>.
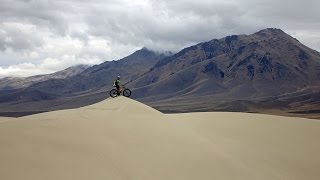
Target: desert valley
<point x="121" y="138"/>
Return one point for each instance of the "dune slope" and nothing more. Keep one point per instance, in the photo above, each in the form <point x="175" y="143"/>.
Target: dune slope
<point x="123" y="139"/>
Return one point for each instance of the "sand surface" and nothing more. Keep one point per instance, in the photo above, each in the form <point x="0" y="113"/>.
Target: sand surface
<point x="123" y="139"/>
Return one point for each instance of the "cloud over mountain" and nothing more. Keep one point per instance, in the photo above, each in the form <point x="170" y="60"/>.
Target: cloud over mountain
<point x="51" y="35"/>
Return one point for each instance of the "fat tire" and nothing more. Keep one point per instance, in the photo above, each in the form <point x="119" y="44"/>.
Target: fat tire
<point x="113" y="93"/>
<point x="126" y="92"/>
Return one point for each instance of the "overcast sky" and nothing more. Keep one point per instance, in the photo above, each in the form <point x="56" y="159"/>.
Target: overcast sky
<point x="43" y="36"/>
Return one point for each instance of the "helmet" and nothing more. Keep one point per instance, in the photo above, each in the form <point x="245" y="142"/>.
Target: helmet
<point x="118" y="77"/>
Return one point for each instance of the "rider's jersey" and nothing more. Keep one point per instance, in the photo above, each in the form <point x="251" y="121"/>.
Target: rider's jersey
<point x="117" y="82"/>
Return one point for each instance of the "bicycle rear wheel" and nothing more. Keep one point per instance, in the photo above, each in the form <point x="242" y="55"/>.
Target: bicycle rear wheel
<point x="127" y="92"/>
<point x="113" y="93"/>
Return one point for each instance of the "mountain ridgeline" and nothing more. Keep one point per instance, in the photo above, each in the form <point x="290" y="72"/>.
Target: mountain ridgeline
<point x="266" y="70"/>
<point x="10" y="83"/>
<point x="100" y="76"/>
<point x="267" y="63"/>
<point x="90" y="80"/>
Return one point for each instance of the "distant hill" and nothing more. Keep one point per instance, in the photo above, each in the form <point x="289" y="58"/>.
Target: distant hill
<point x="268" y="71"/>
<point x="10" y="83"/>
<point x="59" y="93"/>
<point x="102" y="76"/>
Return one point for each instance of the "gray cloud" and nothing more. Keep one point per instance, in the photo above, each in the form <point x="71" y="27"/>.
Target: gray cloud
<point x="51" y="35"/>
<point x="15" y="36"/>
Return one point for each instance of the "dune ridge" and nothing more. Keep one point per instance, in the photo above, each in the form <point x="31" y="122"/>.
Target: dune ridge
<point x="123" y="139"/>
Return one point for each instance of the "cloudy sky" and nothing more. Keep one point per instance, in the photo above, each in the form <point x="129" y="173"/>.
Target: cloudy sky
<point x="43" y="36"/>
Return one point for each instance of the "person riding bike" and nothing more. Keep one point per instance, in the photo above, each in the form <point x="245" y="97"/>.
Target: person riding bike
<point x="117" y="84"/>
<point x="120" y="89"/>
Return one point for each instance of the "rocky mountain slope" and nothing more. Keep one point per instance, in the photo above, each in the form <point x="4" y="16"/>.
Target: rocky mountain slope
<point x="266" y="63"/>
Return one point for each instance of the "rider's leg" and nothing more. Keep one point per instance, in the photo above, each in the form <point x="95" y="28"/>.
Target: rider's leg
<point x="118" y="90"/>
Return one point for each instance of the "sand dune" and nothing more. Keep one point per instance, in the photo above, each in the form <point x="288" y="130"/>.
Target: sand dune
<point x="123" y="139"/>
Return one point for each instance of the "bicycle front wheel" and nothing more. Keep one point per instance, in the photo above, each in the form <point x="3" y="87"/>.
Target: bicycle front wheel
<point x="127" y="92"/>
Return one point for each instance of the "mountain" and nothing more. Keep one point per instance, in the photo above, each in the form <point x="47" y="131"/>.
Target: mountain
<point x="10" y="83"/>
<point x="102" y="76"/>
<point x="266" y="64"/>
<point x="87" y="87"/>
<point x="244" y="65"/>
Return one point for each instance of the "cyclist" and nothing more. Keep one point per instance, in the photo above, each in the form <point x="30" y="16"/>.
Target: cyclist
<point x="117" y="84"/>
